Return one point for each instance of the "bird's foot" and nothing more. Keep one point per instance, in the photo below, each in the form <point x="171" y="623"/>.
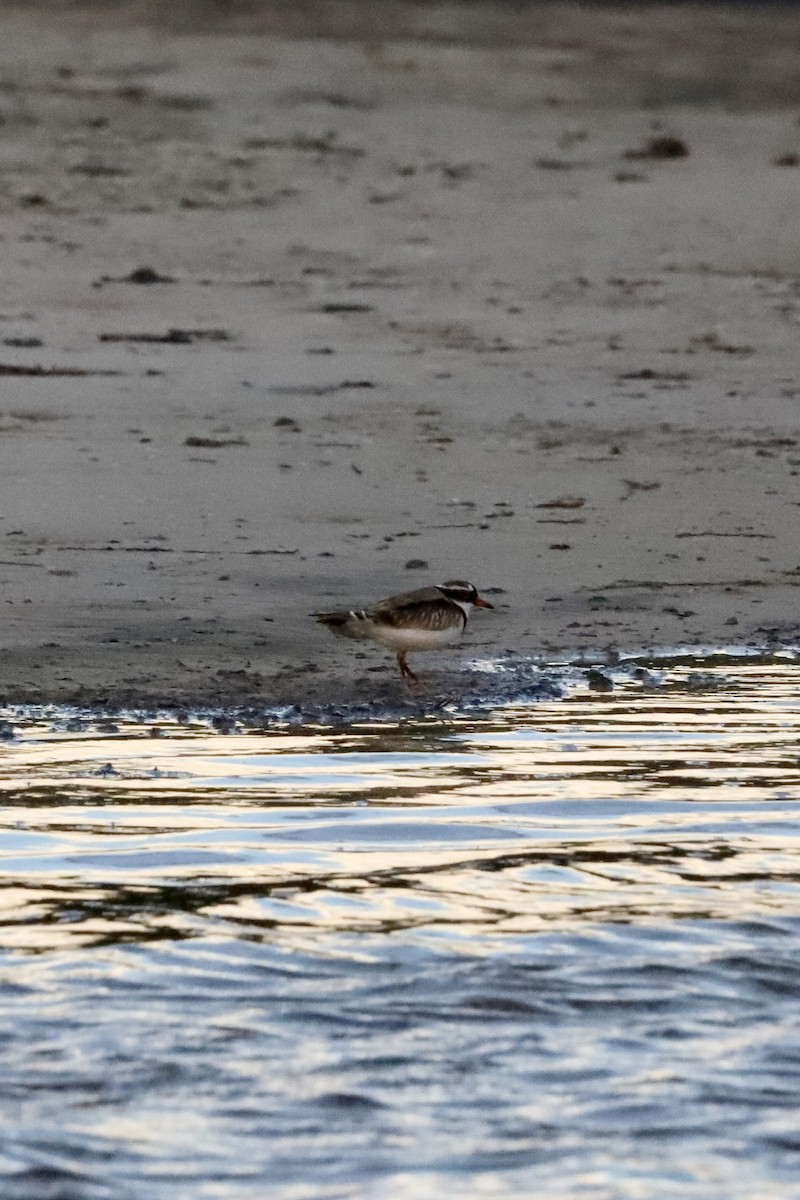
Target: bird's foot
<point x="405" y="669"/>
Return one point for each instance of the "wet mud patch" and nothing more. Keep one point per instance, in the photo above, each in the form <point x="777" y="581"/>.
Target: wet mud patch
<point x="172" y="337"/>
<point x="36" y="371"/>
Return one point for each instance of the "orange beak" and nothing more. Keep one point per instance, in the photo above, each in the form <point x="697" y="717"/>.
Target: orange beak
<point x="481" y="603"/>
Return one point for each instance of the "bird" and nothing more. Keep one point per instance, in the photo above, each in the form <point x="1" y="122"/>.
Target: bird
<point x="425" y="619"/>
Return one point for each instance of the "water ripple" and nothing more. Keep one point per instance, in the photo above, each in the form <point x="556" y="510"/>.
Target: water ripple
<point x="546" y="949"/>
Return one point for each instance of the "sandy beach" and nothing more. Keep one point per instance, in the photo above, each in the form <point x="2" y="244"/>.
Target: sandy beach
<point x="304" y="308"/>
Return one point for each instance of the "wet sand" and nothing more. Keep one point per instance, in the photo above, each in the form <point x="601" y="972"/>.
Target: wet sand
<point x="290" y="322"/>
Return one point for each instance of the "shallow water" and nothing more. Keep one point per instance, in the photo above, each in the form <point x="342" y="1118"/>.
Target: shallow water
<point x="545" y="950"/>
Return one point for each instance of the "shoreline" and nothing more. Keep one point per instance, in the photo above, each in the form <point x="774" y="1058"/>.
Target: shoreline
<point x="480" y="688"/>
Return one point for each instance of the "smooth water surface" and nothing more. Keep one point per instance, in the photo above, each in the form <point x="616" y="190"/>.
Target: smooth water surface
<point x="549" y="951"/>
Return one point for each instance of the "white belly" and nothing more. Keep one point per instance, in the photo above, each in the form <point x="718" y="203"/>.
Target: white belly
<point x="416" y="639"/>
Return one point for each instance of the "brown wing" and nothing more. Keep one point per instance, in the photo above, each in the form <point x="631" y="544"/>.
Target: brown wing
<point x="426" y="608"/>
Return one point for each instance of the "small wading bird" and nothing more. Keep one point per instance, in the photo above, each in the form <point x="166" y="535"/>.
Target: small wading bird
<point x="426" y="619"/>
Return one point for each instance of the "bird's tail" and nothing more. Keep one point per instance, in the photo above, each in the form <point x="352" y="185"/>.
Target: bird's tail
<point x="346" y="624"/>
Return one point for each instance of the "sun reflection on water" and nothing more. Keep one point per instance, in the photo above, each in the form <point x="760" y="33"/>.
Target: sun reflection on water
<point x="654" y="801"/>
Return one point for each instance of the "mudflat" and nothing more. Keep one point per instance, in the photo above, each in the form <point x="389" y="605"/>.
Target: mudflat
<point x="302" y="308"/>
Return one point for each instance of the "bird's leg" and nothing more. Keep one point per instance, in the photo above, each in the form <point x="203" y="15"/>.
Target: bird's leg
<point x="405" y="669"/>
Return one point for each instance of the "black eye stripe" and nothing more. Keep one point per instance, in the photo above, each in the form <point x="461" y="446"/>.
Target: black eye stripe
<point x="465" y="592"/>
<point x="459" y="585"/>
